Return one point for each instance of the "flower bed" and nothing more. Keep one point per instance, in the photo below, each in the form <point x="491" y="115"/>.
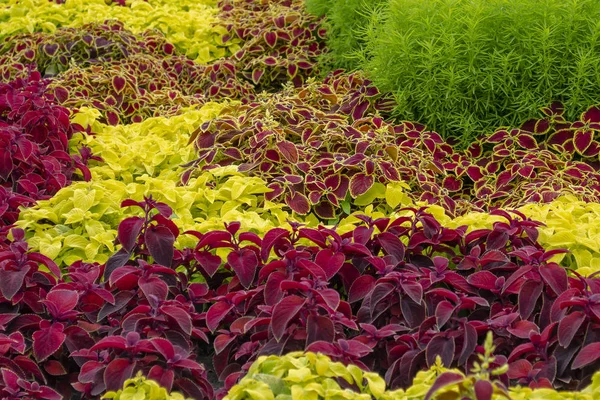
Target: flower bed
<point x="192" y="206"/>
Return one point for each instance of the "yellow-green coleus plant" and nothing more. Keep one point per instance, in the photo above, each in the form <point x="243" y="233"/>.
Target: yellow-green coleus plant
<point x="147" y="148"/>
<point x="140" y="388"/>
<point x="310" y="376"/>
<point x="80" y="222"/>
<point x="191" y="25"/>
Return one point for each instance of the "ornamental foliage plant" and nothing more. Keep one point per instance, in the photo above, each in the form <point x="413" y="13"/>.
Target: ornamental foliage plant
<point x="35" y="162"/>
<point x="140" y="388"/>
<point x="315" y="376"/>
<point x="464" y="68"/>
<point x="323" y="145"/>
<point x="178" y="21"/>
<point x="390" y="296"/>
<point x="346" y="22"/>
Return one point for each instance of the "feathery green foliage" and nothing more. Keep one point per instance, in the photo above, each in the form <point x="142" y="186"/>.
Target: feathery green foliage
<point x="347" y="23"/>
<point x="465" y="67"/>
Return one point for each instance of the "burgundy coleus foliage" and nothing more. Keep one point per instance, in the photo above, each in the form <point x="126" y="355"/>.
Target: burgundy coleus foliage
<point x="321" y="145"/>
<point x="390" y="296"/>
<point x="34" y="151"/>
<point x="86" y="331"/>
<point x="91" y="44"/>
<point x="281" y="42"/>
<point x="301" y="142"/>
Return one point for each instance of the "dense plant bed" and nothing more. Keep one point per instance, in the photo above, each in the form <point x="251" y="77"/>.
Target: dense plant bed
<point x="189" y="209"/>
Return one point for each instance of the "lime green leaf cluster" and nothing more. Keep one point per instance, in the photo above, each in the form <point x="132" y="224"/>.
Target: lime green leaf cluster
<point x="150" y="148"/>
<point x="310" y="376"/>
<point x="306" y="376"/>
<point x="191" y="25"/>
<point x="570" y="224"/>
<point x="140" y="388"/>
<point x="80" y="221"/>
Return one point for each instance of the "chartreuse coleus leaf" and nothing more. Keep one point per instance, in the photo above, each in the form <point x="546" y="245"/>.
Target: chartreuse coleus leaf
<point x="191" y="25"/>
<point x="80" y="222"/>
<point x="140" y="388"/>
<point x="147" y="148"/>
<point x="298" y="375"/>
<point x="67" y="230"/>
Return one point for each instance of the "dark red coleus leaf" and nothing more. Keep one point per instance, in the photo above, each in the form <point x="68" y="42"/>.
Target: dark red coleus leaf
<point x="160" y="241"/>
<point x="244" y="262"/>
<point x="587" y="355"/>
<point x="283" y="313"/>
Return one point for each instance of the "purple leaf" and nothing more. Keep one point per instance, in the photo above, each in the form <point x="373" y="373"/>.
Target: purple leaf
<point x="210" y="263"/>
<point x="330" y="262"/>
<point x="216" y="313"/>
<point x="283" y="313"/>
<point x="587" y="355"/>
<point x="440" y="346"/>
<point x="298" y="203"/>
<point x="555" y="276"/>
<point x="244" y="262"/>
<point x="12" y="281"/>
<point x="48" y="340"/>
<point x="288" y="150"/>
<point x="269" y="241"/>
<point x="153" y="286"/>
<point x="392" y="245"/>
<point x="443" y="312"/>
<point x="528" y="297"/>
<point x="117" y="372"/>
<point x="160" y="240"/>
<point x="483" y="390"/>
<point x="129" y="229"/>
<point x="319" y="327"/>
<point x="445" y="379"/>
<point x="568" y="327"/>
<point x="118" y="83"/>
<point x="582" y="139"/>
<point x="360" y="184"/>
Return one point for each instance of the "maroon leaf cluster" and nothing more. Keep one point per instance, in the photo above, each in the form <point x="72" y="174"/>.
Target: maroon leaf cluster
<point x="322" y="144"/>
<point x="34" y="152"/>
<point x="86" y="331"/>
<point x="390" y="296"/>
<point x="305" y="142"/>
<point x="281" y="42"/>
<point x="393" y="295"/>
<point x="91" y="44"/>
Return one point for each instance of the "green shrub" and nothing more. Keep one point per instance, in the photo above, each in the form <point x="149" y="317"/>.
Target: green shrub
<point x="345" y="23"/>
<point x="465" y="67"/>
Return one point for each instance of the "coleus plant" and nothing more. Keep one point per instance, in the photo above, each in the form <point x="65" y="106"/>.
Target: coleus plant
<point x="34" y="150"/>
<point x="96" y="43"/>
<point x="281" y="42"/>
<point x="87" y="330"/>
<point x="390" y="296"/>
<point x="300" y="142"/>
<point x="143" y="86"/>
<point x="321" y="145"/>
